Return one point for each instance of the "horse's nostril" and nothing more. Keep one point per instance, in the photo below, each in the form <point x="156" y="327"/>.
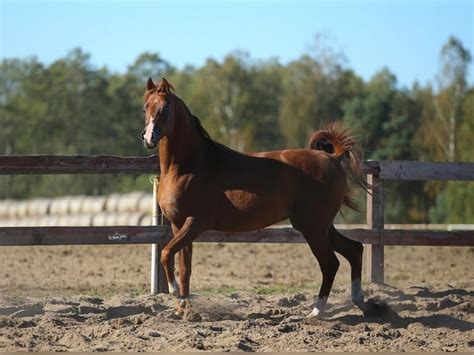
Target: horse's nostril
<point x="152" y="136"/>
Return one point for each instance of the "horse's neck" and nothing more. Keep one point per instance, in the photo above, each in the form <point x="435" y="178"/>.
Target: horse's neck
<point x="182" y="148"/>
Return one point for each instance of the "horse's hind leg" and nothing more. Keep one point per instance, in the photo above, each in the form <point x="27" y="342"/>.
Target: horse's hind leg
<point x="352" y="251"/>
<point x="317" y="238"/>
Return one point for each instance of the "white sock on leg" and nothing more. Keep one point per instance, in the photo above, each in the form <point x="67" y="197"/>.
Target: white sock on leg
<point x="173" y="288"/>
<point x="319" y="307"/>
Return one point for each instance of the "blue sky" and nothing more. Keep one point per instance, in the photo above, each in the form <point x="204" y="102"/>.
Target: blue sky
<point x="405" y="36"/>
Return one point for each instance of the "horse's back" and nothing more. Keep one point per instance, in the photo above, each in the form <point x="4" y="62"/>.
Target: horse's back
<point x="319" y="165"/>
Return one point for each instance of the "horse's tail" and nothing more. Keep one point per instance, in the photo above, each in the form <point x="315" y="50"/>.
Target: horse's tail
<point x="341" y="144"/>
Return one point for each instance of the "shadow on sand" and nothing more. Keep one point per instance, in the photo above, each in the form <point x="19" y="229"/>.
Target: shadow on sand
<point x="380" y="312"/>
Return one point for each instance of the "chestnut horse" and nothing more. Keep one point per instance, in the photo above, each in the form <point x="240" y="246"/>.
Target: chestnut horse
<point x="246" y="192"/>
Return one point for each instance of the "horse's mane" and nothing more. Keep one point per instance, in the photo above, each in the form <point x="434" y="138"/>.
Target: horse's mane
<point x="205" y="136"/>
<point x="202" y="132"/>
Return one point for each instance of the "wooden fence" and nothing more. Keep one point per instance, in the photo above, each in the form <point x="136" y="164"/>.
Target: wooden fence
<point x="375" y="236"/>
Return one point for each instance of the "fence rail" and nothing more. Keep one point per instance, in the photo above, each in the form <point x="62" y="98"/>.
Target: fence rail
<point x="112" y="164"/>
<point x="375" y="236"/>
<point x="17" y="236"/>
<point x="77" y="164"/>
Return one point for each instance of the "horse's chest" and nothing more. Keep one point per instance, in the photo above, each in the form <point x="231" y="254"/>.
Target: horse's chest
<point x="172" y="200"/>
<point x="169" y="205"/>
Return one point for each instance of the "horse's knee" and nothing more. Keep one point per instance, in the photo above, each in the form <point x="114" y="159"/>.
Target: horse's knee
<point x="164" y="257"/>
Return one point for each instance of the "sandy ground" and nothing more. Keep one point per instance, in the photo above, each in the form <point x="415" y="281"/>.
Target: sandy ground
<point x="245" y="297"/>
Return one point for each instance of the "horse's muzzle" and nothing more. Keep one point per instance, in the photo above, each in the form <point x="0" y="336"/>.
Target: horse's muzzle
<point x="150" y="136"/>
<point x="151" y="143"/>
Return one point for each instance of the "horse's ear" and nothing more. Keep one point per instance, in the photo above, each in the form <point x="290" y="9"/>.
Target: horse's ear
<point x="150" y="85"/>
<point x="165" y="86"/>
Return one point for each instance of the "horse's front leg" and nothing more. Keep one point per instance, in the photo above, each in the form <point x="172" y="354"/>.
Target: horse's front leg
<point x="182" y="241"/>
<point x="185" y="256"/>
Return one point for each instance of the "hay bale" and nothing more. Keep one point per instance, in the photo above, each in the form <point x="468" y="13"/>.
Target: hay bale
<point x="127" y="219"/>
<point x="38" y="207"/>
<point x="64" y="220"/>
<point x="18" y="222"/>
<point x="11" y="212"/>
<point x="17" y="208"/>
<point x="59" y="206"/>
<point x="121" y="219"/>
<point x="5" y="206"/>
<point x="145" y="204"/>
<point x="22" y="209"/>
<point x="146" y="220"/>
<point x="82" y="220"/>
<point x="25" y="222"/>
<point x="6" y="222"/>
<point x="30" y="221"/>
<point x="48" y="221"/>
<point x="75" y="204"/>
<point x="99" y="219"/>
<point x="112" y="203"/>
<point x="12" y="208"/>
<point x="93" y="204"/>
<point x="129" y="202"/>
<point x="135" y="218"/>
<point x="111" y="219"/>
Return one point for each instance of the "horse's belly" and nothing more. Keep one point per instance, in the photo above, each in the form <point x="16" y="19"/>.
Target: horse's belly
<point x="242" y="210"/>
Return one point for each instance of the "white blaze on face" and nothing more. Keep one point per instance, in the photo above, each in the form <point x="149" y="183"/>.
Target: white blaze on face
<point x="149" y="132"/>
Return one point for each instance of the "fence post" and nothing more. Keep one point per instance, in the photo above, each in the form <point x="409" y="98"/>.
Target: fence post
<point x="158" y="278"/>
<point x="375" y="209"/>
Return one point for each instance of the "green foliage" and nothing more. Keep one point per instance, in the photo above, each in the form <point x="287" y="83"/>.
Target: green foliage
<point x="72" y="107"/>
<point x="313" y="95"/>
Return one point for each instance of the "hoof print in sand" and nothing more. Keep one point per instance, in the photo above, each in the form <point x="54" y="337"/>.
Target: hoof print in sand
<point x="375" y="307"/>
<point x="191" y="316"/>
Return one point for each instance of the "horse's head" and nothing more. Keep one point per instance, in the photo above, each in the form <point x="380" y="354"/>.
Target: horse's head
<point x="158" y="112"/>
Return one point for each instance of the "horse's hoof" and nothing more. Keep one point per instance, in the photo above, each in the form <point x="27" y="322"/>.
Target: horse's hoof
<point x="179" y="313"/>
<point x="315" y="314"/>
<point x="360" y="303"/>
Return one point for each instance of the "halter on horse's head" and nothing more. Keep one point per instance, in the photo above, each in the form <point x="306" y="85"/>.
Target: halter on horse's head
<point x="158" y="113"/>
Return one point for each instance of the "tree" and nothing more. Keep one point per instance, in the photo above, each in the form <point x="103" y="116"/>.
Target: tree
<point x="369" y="113"/>
<point x="446" y="116"/>
<point x="150" y="65"/>
<point x="313" y="95"/>
<point x="454" y="204"/>
<point x="454" y="59"/>
<point x="222" y="96"/>
<point x="387" y="118"/>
